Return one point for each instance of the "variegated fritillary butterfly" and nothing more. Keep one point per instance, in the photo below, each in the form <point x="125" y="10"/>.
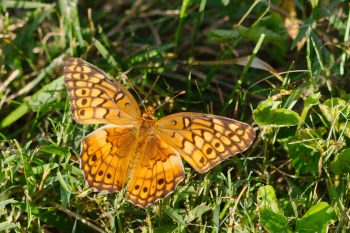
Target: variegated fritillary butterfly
<point x="136" y="150"/>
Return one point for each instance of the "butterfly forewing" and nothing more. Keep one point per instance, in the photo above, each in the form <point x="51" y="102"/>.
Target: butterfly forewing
<point x="97" y="100"/>
<point x="204" y="140"/>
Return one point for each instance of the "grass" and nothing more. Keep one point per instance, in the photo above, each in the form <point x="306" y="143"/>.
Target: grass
<point x="239" y="59"/>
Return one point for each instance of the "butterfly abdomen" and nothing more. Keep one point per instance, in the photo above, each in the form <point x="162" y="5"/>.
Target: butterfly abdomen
<point x="144" y="135"/>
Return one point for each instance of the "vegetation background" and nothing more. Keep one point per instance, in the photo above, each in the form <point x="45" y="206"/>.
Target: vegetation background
<point x="281" y="65"/>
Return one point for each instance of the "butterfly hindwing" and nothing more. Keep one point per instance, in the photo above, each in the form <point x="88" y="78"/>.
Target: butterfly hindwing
<point x="159" y="172"/>
<point x="106" y="155"/>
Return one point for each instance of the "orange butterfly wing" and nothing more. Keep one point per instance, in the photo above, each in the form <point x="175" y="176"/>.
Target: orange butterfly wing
<point x="159" y="172"/>
<point x="106" y="155"/>
<point x="204" y="140"/>
<point x="95" y="99"/>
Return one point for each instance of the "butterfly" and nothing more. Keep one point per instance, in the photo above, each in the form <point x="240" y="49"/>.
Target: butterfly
<point x="134" y="150"/>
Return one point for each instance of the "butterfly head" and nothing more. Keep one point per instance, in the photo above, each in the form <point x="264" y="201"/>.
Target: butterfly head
<point x="148" y="115"/>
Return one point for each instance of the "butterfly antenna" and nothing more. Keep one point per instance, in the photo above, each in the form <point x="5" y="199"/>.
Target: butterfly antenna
<point x="167" y="101"/>
<point x="132" y="86"/>
<point x="152" y="87"/>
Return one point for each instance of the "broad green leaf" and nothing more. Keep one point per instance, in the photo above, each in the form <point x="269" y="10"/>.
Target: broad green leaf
<point x="309" y="102"/>
<point x="271" y="25"/>
<point x="47" y="95"/>
<point x="341" y="162"/>
<point x="273" y="222"/>
<point x="225" y="35"/>
<point x="269" y="104"/>
<point x="317" y="219"/>
<point x="335" y="110"/>
<point x="271" y="217"/>
<point x="284" y="117"/>
<point x="313" y="99"/>
<point x="302" y="149"/>
<point x="254" y="33"/>
<point x="222" y="35"/>
<point x="267" y="198"/>
<point x="268" y="114"/>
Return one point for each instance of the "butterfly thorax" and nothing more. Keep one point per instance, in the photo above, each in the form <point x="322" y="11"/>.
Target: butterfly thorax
<point x="148" y="118"/>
